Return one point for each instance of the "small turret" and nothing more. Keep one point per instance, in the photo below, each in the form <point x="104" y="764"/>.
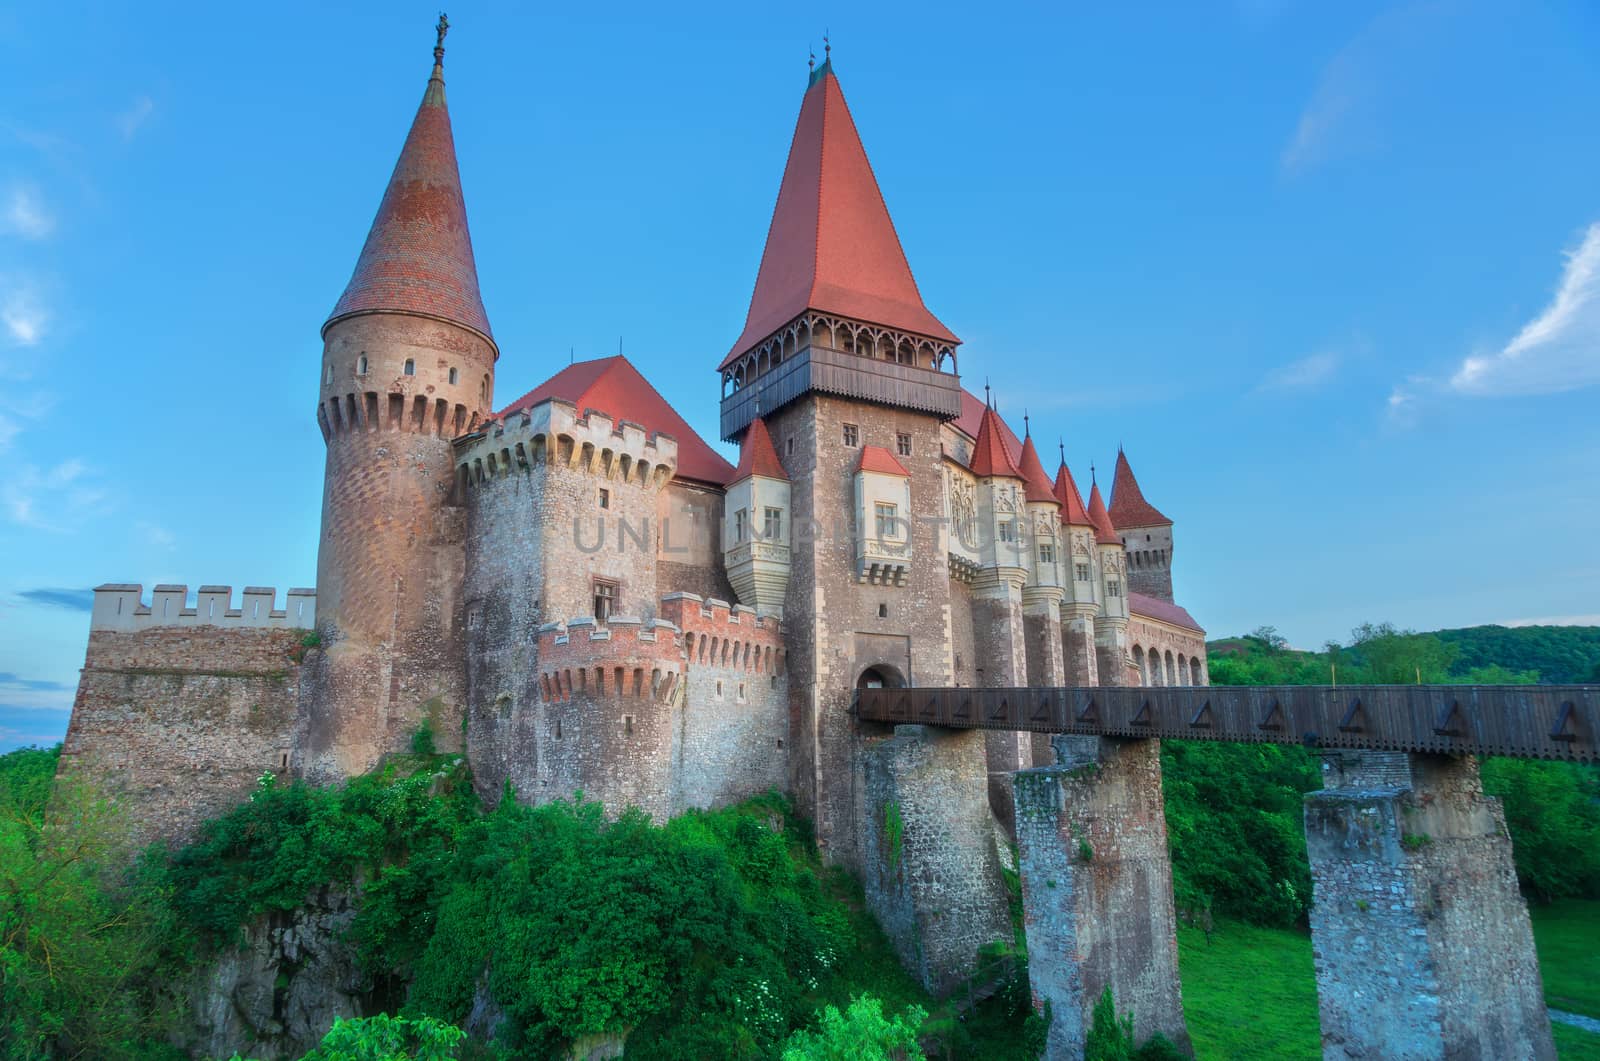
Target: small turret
<point x="755" y="533"/>
<point x="1145" y="533"/>
<point x="1044" y="517"/>
<point x="1111" y="625"/>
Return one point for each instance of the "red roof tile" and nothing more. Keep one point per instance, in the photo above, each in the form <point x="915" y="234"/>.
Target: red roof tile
<point x="613" y="386"/>
<point x="757" y="455"/>
<point x="1066" y="491"/>
<point x="1128" y="506"/>
<point x="1104" y="532"/>
<point x="878" y="459"/>
<point x="1033" y="476"/>
<point x="418" y="254"/>
<point x="832" y="246"/>
<point x="1164" y="611"/>
<point x="989" y="456"/>
<point x="971" y="419"/>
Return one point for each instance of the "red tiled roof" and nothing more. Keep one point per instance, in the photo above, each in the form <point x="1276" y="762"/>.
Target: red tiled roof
<point x="878" y="459"/>
<point x="1128" y="506"/>
<point x="1104" y="532"/>
<point x="757" y="454"/>
<point x="1163" y="611"/>
<point x="989" y="456"/>
<point x="418" y="254"/>
<point x="612" y="385"/>
<point x="1066" y="491"/>
<point x="971" y="419"/>
<point x="1033" y="476"/>
<point x="832" y="246"/>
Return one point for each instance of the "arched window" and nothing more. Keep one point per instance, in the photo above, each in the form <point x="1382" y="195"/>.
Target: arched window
<point x="411" y="367"/>
<point x="455" y="376"/>
<point x="483" y="390"/>
<point x="330" y="374"/>
<point x="361" y="365"/>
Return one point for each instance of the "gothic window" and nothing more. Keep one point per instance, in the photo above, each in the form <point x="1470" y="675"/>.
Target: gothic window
<point x="361" y="365"/>
<point x="411" y="367"/>
<point x="740" y="530"/>
<point x="1008" y="532"/>
<point x="772" y="530"/>
<point x="605" y="600"/>
<point x="1081" y="571"/>
<point x="483" y="391"/>
<point x="852" y="435"/>
<point x="888" y="520"/>
<point x="1114" y="587"/>
<point x="455" y="376"/>
<point x="902" y="444"/>
<point x="1047" y="552"/>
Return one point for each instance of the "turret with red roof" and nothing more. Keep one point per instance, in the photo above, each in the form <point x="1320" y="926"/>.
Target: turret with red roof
<point x="1145" y="532"/>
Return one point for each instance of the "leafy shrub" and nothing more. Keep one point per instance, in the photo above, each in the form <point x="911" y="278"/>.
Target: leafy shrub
<point x="861" y="1033"/>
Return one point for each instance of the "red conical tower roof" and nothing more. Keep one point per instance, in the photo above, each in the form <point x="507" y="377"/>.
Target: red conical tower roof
<point x="1104" y="531"/>
<point x="1066" y="491"/>
<point x="832" y="246"/>
<point x="757" y="454"/>
<point x="1033" y="476"/>
<point x="989" y="456"/>
<point x="1128" y="506"/>
<point x="418" y="255"/>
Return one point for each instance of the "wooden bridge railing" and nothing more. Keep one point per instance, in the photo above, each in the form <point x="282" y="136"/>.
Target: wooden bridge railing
<point x="1528" y="721"/>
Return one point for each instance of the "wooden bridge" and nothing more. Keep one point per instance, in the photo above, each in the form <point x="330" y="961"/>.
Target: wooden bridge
<point x="1528" y="721"/>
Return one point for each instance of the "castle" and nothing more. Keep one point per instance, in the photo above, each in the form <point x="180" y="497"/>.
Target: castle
<point x="580" y="593"/>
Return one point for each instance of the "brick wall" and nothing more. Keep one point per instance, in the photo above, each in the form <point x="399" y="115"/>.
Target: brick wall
<point x="179" y="722"/>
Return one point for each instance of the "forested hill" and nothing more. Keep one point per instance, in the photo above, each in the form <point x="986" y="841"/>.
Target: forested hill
<point x="1382" y="654"/>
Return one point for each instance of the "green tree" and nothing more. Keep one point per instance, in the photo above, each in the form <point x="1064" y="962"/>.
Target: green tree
<point x="860" y="1033"/>
<point x="1390" y="656"/>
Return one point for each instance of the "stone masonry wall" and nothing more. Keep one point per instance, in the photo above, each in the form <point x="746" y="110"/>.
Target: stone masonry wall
<point x="1097" y="889"/>
<point x="178" y="723"/>
<point x="929" y="863"/>
<point x="1421" y="939"/>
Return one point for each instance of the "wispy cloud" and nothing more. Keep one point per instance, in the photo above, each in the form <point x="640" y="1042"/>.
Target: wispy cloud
<point x="54" y="500"/>
<point x="1592" y="619"/>
<point x="130" y="120"/>
<point x="15" y="683"/>
<point x="1559" y="350"/>
<point x="74" y="600"/>
<point x="22" y="311"/>
<point x="1307" y="373"/>
<point x="25" y="214"/>
<point x="155" y="535"/>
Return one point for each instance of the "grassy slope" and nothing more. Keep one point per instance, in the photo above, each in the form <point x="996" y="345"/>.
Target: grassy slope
<point x="1275" y="1016"/>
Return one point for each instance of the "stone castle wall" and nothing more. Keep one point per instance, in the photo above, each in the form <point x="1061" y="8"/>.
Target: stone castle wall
<point x="1152" y="643"/>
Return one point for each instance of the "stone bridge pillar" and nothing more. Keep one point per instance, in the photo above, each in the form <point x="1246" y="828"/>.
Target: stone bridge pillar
<point x="1002" y="655"/>
<point x="1097" y="889"/>
<point x="1041" y="628"/>
<point x="1422" y="943"/>
<point x="929" y="865"/>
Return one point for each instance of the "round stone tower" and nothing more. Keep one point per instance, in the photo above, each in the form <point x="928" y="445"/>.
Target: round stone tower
<point x="407" y="366"/>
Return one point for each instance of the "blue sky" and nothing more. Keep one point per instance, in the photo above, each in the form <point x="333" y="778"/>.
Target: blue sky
<point x="1330" y="272"/>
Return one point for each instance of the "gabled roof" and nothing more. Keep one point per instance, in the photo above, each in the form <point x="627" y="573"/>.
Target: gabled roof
<point x="832" y="246"/>
<point x="1104" y="531"/>
<point x="1162" y="611"/>
<point x="757" y="454"/>
<point x="613" y="386"/>
<point x="1066" y="491"/>
<point x="418" y="254"/>
<point x="989" y="456"/>
<point x="1033" y="476"/>
<point x="1128" y="506"/>
<point x="878" y="459"/>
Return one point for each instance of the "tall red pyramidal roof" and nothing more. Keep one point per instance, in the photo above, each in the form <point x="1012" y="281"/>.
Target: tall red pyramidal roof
<point x="1128" y="506"/>
<point x="757" y="454"/>
<point x="1033" y="476"/>
<point x="832" y="246"/>
<point x="1104" y="532"/>
<point x="418" y="254"/>
<point x="1066" y="491"/>
<point x="989" y="456"/>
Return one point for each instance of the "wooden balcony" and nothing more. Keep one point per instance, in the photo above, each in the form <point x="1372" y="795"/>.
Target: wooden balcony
<point x="828" y="371"/>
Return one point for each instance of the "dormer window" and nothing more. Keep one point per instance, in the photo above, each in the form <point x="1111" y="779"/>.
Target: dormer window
<point x="411" y="367"/>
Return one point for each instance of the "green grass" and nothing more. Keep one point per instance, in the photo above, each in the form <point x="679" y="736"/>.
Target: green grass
<point x="1567" y="934"/>
<point x="1250" y="994"/>
<point x="1574" y="1045"/>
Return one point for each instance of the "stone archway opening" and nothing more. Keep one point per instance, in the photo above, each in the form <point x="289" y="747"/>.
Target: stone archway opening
<point x="880" y="676"/>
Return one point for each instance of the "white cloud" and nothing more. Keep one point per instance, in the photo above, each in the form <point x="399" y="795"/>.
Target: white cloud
<point x="1555" y="620"/>
<point x="129" y="121"/>
<point x="1559" y="350"/>
<point x="22" y="311"/>
<point x="25" y="214"/>
<point x="1308" y="372"/>
<point x="57" y="499"/>
<point x="156" y="536"/>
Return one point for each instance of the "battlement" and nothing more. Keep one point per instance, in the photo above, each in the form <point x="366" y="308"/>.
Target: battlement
<point x="553" y="433"/>
<point x="718" y="634"/>
<point x="120" y="606"/>
<point x="625" y="657"/>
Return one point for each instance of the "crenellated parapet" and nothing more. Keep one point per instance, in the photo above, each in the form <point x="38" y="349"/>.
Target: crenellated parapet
<point x="121" y="607"/>
<point x="624" y="657"/>
<point x="717" y="634"/>
<point x="553" y="433"/>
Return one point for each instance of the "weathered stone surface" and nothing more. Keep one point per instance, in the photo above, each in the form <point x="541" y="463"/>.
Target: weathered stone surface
<point x="1422" y="943"/>
<point x="1097" y="889"/>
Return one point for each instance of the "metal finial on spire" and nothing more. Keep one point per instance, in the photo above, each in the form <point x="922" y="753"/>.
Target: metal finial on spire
<point x="1092" y="480"/>
<point x="1027" y="432"/>
<point x="1062" y="445"/>
<point x="987" y="401"/>
<point x="438" y="45"/>
<point x="811" y="62"/>
<point x="827" y="48"/>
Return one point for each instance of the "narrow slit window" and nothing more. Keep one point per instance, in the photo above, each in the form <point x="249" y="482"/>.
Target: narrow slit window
<point x="411" y="367"/>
